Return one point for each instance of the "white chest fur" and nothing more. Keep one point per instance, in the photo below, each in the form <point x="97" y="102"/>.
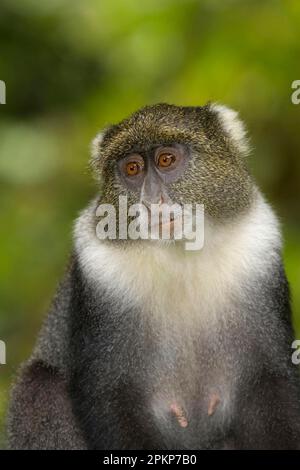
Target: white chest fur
<point x="175" y="285"/>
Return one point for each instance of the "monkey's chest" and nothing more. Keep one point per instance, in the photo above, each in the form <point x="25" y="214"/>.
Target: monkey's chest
<point x="188" y="389"/>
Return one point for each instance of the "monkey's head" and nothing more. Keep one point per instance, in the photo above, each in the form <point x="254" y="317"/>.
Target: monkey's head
<point x="172" y="154"/>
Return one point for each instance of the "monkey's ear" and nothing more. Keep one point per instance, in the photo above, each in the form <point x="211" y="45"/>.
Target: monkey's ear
<point x="95" y="159"/>
<point x="96" y="144"/>
<point x="99" y="142"/>
<point x="232" y="126"/>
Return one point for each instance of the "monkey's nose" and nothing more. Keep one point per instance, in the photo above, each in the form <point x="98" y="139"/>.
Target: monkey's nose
<point x="148" y="203"/>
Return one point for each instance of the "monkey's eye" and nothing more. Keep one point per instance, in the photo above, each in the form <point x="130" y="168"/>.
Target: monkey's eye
<point x="166" y="159"/>
<point x="133" y="168"/>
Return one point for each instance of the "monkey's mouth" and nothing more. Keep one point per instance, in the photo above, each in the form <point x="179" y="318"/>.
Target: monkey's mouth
<point x="169" y="227"/>
<point x="163" y="221"/>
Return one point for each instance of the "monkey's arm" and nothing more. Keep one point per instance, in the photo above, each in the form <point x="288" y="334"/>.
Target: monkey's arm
<point x="40" y="414"/>
<point x="269" y="411"/>
<point x="269" y="417"/>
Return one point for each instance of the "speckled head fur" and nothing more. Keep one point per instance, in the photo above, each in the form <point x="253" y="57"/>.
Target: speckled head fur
<point x="216" y="174"/>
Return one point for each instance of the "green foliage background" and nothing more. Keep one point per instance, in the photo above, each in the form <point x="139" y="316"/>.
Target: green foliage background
<point x="72" y="67"/>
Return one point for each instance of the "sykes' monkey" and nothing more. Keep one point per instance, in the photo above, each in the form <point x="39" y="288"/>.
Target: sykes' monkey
<point x="148" y="345"/>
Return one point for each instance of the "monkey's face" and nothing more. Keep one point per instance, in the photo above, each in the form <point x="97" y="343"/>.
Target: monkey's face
<point x="169" y="154"/>
<point x="151" y="173"/>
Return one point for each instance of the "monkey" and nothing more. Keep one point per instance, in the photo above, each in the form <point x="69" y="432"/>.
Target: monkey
<point x="148" y="345"/>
